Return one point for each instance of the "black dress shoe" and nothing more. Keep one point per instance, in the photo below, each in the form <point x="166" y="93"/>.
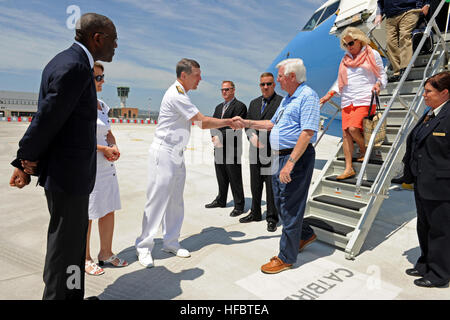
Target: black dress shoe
<point x="215" y="204"/>
<point x="403" y="179"/>
<point x="413" y="272"/>
<point x="251" y="217"/>
<point x="271" y="226"/>
<point x="394" y="78"/>
<point x="397" y="180"/>
<point x="236" y="212"/>
<point x="422" y="282"/>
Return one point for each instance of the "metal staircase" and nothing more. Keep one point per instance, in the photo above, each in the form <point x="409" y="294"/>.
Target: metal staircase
<point x="342" y="212"/>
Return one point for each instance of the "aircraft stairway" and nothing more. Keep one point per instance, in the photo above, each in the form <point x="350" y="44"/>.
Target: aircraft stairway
<point x="341" y="212"/>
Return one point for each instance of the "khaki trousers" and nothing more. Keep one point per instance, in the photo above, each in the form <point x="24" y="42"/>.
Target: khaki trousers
<point x="398" y="34"/>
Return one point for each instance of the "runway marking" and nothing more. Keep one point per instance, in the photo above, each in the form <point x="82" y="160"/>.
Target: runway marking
<point x="320" y="279"/>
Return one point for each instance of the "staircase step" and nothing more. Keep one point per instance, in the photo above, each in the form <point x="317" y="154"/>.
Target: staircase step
<point x="328" y="211"/>
<point x="364" y="183"/>
<point x="334" y="239"/>
<point x="343" y="190"/>
<point x="408" y="87"/>
<point x="338" y="166"/>
<point x="371" y="161"/>
<point x="330" y="226"/>
<point x="345" y="203"/>
<point x="416" y="73"/>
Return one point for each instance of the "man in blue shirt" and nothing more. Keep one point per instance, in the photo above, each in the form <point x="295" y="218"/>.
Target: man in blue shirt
<point x="294" y="127"/>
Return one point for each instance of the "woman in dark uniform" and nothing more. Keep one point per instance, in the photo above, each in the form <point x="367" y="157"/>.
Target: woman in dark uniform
<point x="427" y="165"/>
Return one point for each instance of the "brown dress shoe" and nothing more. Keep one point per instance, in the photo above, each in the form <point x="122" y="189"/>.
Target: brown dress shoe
<point x="346" y="175"/>
<point x="307" y="242"/>
<point x="275" y="265"/>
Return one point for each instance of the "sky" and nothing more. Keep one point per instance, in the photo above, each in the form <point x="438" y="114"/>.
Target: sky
<point x="232" y="40"/>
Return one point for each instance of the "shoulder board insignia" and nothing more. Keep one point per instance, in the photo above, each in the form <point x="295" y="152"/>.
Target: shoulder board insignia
<point x="180" y="90"/>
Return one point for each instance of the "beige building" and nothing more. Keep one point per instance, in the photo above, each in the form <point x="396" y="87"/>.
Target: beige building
<point x="18" y="104"/>
<point x="125" y="113"/>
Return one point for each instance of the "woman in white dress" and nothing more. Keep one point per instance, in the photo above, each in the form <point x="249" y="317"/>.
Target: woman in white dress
<point x="105" y="198"/>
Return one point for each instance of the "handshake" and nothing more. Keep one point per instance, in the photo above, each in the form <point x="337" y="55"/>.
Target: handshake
<point x="237" y="123"/>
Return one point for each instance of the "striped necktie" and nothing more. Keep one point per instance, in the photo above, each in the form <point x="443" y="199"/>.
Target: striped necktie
<point x="225" y="107"/>
<point x="263" y="105"/>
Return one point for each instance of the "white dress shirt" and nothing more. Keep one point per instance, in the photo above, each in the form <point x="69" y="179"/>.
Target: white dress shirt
<point x="174" y="126"/>
<point x="89" y="55"/>
<point x="358" y="90"/>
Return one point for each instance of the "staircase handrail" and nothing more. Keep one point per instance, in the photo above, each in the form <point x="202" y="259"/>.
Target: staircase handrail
<point x="412" y="113"/>
<point x="431" y="23"/>
<point x="338" y="109"/>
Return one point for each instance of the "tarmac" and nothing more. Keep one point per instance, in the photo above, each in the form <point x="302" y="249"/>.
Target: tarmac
<point x="226" y="255"/>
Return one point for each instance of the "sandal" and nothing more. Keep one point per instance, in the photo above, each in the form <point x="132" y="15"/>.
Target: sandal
<point x="346" y="175"/>
<point x="110" y="260"/>
<point x="361" y="157"/>
<point x="95" y="270"/>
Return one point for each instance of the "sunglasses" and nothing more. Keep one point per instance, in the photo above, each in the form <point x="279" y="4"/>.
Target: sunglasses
<point x="225" y="89"/>
<point x="263" y="84"/>
<point x="351" y="43"/>
<point x="99" y="78"/>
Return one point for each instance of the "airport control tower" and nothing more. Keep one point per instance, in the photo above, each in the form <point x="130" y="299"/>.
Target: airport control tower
<point x="122" y="92"/>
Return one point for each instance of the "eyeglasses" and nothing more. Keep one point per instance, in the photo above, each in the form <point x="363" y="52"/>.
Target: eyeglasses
<point x="263" y="84"/>
<point x="99" y="78"/>
<point x="226" y="89"/>
<point x="351" y="43"/>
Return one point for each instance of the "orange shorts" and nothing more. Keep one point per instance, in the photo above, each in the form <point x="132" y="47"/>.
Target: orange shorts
<point x="353" y="116"/>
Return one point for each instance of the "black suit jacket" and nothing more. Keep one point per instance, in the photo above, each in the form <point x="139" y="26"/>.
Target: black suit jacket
<point x="254" y="113"/>
<point x="236" y="108"/>
<point x="432" y="152"/>
<point x="62" y="134"/>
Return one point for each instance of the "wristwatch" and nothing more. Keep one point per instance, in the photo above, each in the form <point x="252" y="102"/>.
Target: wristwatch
<point x="291" y="159"/>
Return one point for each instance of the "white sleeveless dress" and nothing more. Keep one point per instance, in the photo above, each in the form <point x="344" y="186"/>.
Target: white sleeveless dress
<point x="105" y="197"/>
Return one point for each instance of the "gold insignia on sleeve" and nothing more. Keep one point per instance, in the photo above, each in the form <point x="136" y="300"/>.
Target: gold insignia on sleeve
<point x="439" y="134"/>
<point x="180" y="90"/>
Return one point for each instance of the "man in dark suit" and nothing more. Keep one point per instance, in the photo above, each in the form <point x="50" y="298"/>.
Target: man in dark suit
<point x="228" y="151"/>
<point x="60" y="147"/>
<point x="262" y="108"/>
<point x="426" y="161"/>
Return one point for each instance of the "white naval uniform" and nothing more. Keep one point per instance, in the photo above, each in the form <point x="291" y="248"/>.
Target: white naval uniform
<point x="105" y="196"/>
<point x="166" y="170"/>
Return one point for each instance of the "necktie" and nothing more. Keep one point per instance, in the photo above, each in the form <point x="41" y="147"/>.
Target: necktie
<point x="428" y="117"/>
<point x="263" y="105"/>
<point x="224" y="108"/>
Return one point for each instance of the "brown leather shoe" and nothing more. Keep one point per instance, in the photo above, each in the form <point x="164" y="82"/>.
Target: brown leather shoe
<point x="307" y="242"/>
<point x="275" y="265"/>
<point x="346" y="175"/>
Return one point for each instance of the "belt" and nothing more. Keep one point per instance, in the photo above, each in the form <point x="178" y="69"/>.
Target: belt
<point x="285" y="152"/>
<point x="282" y="152"/>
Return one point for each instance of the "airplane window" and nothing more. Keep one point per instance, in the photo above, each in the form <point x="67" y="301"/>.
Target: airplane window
<point x="329" y="11"/>
<point x="313" y="21"/>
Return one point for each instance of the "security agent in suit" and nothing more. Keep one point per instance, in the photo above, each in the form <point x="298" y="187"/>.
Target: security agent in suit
<point x="262" y="108"/>
<point x="228" y="151"/>
<point x="60" y="147"/>
<point x="427" y="165"/>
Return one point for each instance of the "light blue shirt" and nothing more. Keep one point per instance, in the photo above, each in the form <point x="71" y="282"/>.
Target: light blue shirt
<point x="296" y="113"/>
